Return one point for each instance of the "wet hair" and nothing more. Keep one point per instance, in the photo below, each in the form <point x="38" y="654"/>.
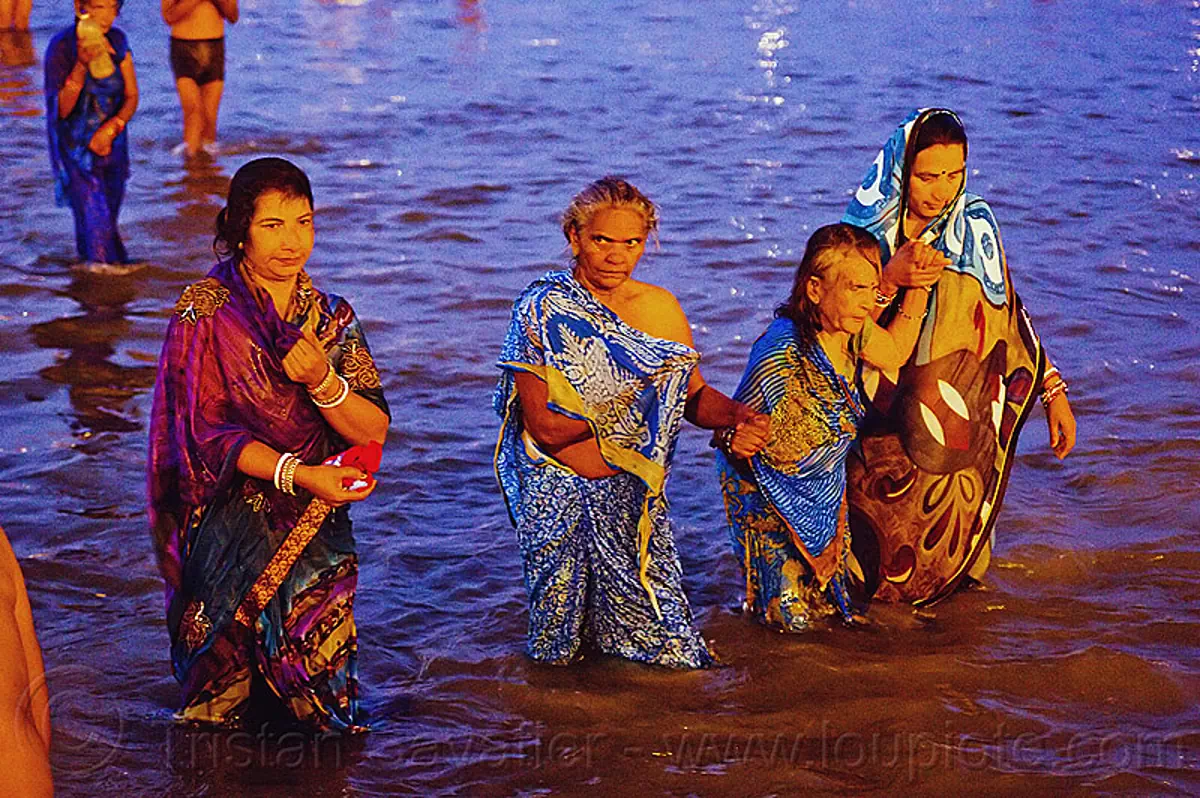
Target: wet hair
<point x="608" y="192"/>
<point x="248" y="184"/>
<point x="936" y="126"/>
<point x="826" y="247"/>
<point x="80" y="4"/>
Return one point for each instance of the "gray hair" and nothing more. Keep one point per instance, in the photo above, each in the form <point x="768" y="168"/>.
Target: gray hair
<point x="608" y="192"/>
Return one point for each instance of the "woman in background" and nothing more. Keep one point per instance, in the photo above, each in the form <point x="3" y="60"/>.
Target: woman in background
<point x="91" y="94"/>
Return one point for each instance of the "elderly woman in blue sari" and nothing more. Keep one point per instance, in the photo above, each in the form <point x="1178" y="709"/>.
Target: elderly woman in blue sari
<point x="942" y="431"/>
<point x="91" y="94"/>
<point x="262" y="382"/>
<point x="599" y="371"/>
<point x="787" y="504"/>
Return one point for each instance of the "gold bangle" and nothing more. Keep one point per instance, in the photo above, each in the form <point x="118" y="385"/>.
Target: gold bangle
<point x="325" y="382"/>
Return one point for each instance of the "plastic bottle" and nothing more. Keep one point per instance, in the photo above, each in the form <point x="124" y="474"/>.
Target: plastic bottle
<point x="89" y="34"/>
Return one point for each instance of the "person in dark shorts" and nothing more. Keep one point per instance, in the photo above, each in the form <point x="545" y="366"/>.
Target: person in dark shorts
<point x="198" y="62"/>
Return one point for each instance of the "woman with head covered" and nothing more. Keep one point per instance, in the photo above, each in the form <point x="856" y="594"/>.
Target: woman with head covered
<point x="263" y="381"/>
<point x="599" y="373"/>
<point x="787" y="505"/>
<point x="942" y="433"/>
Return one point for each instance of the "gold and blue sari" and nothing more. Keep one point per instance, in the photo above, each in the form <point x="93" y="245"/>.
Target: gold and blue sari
<point x="926" y="484"/>
<point x="787" y="505"/>
<point x="260" y="584"/>
<point x="600" y="562"/>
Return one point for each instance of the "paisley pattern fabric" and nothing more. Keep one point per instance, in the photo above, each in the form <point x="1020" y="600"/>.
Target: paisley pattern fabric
<point x="216" y="531"/>
<point x="787" y="516"/>
<point x="940" y="436"/>
<point x="599" y="555"/>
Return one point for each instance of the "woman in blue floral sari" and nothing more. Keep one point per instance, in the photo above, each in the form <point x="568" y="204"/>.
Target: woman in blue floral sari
<point x="91" y="94"/>
<point x="262" y="380"/>
<point x="599" y="373"/>
<point x="787" y="504"/>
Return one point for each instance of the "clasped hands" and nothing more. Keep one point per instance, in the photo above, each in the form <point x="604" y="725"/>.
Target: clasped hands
<point x="751" y="431"/>
<point x="914" y="265"/>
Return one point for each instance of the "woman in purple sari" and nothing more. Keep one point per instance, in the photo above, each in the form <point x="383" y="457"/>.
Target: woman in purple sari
<point x="91" y="94"/>
<point x="262" y="379"/>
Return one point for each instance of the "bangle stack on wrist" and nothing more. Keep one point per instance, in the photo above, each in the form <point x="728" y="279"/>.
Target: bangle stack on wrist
<point x="882" y="300"/>
<point x="342" y="392"/>
<point x="1053" y="385"/>
<point x="285" y="473"/>
<point x="325" y="382"/>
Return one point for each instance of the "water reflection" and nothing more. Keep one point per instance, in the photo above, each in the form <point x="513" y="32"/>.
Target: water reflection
<point x="17" y="88"/>
<point x="100" y="390"/>
<point x="223" y="762"/>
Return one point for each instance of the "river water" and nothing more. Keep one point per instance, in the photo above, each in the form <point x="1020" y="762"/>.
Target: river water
<point x="442" y="140"/>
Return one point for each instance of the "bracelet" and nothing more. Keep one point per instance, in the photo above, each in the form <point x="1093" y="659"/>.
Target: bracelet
<point x="279" y="464"/>
<point x="1050" y="372"/>
<point x="325" y="382"/>
<point x="723" y="439"/>
<point x="1053" y="392"/>
<point x="882" y="300"/>
<point x="288" y="475"/>
<point x="343" y="392"/>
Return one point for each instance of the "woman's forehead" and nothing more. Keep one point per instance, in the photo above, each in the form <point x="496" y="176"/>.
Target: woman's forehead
<point x="854" y="265"/>
<point x="275" y="203"/>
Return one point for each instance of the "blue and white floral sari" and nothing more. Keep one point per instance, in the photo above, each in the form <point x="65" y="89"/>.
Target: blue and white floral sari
<point x="599" y="556"/>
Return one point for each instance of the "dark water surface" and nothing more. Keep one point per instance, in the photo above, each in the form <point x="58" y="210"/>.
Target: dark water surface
<point x="442" y="140"/>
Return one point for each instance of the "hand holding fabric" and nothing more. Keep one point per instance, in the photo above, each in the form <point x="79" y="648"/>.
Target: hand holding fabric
<point x="345" y="477"/>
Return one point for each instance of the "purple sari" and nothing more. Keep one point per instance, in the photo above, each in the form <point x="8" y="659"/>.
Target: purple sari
<point x="221" y="535"/>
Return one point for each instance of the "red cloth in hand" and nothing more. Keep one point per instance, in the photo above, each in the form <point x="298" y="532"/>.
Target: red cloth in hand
<point x="363" y="456"/>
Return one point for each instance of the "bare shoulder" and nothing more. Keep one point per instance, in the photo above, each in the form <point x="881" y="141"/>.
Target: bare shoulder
<point x="655" y="310"/>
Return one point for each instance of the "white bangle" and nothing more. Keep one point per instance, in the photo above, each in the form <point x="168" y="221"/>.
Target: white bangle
<point x="279" y="464"/>
<point x="288" y="475"/>
<point x="343" y="392"/>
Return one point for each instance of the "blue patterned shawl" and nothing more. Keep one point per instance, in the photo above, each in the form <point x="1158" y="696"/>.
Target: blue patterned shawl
<point x="629" y="386"/>
<point x="814" y="420"/>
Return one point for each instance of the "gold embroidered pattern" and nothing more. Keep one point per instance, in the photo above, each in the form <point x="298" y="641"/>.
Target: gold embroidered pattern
<point x="799" y="423"/>
<point x="195" y="626"/>
<point x="303" y="298"/>
<point x="273" y="575"/>
<point x="254" y="497"/>
<point x="201" y="300"/>
<point x="358" y="367"/>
